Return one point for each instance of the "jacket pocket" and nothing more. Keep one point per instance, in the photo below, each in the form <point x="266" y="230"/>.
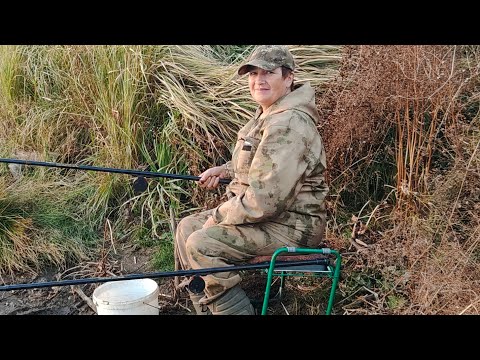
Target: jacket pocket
<point x="247" y="151"/>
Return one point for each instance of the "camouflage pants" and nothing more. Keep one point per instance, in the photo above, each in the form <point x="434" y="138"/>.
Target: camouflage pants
<point x="223" y="245"/>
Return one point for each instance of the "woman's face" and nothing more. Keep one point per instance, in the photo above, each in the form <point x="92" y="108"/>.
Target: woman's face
<point x="267" y="87"/>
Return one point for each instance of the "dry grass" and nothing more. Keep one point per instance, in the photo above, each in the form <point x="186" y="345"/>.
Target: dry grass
<point x="416" y="106"/>
<point x="400" y="125"/>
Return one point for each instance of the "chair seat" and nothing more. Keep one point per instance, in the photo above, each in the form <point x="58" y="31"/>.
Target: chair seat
<point x="314" y="268"/>
<point x="293" y="267"/>
<point x="296" y="257"/>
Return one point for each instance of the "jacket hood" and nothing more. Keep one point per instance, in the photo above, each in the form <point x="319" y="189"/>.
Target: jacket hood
<point x="301" y="99"/>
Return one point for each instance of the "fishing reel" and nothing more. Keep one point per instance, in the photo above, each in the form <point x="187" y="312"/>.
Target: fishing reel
<point x="140" y="185"/>
<point x="196" y="285"/>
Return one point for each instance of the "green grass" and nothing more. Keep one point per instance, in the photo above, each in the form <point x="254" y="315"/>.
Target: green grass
<point x="163" y="259"/>
<point x="395" y="302"/>
<point x="63" y="224"/>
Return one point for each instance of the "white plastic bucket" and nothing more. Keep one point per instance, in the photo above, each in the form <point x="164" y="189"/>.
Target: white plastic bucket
<point x="127" y="297"/>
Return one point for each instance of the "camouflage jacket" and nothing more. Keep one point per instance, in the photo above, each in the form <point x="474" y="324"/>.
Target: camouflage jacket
<point x="277" y="166"/>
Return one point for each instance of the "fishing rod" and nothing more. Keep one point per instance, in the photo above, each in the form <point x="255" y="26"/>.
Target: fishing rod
<point x="141" y="183"/>
<point x="196" y="273"/>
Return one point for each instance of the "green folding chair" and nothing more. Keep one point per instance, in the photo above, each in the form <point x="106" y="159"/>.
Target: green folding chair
<point x="322" y="267"/>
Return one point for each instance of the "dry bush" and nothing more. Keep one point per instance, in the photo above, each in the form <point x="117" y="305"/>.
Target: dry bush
<point x="447" y="282"/>
<point x="351" y="109"/>
<point x="417" y="107"/>
<point x="411" y="91"/>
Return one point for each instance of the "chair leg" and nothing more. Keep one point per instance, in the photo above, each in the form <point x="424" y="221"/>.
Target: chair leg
<point x="336" y="277"/>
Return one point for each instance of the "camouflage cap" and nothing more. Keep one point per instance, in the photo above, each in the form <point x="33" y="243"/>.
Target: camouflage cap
<point x="269" y="57"/>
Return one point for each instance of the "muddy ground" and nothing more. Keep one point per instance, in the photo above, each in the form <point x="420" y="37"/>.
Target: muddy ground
<point x="301" y="296"/>
<point x="76" y="300"/>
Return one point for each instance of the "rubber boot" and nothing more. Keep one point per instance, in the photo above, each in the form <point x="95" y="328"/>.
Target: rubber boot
<point x="233" y="302"/>
<point x="200" y="309"/>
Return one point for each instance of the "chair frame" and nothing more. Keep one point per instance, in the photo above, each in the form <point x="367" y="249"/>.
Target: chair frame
<point x="332" y="272"/>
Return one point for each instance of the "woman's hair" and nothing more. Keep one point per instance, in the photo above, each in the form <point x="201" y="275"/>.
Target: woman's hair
<point x="285" y="72"/>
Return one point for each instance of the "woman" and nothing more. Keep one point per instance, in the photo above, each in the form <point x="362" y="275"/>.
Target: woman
<point x="276" y="196"/>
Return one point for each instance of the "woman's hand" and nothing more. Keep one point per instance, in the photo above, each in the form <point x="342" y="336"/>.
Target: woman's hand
<point x="210" y="178"/>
